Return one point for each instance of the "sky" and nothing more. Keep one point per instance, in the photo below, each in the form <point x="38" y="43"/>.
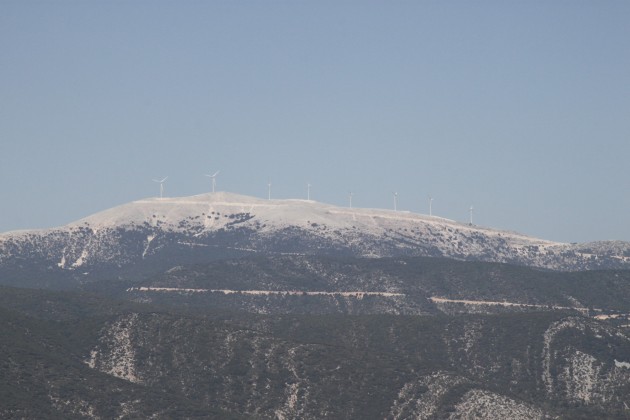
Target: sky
<point x="519" y="109"/>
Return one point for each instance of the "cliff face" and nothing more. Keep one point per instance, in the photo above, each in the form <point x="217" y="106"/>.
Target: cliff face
<point x="70" y="355"/>
<point x="44" y="374"/>
<point x="375" y="367"/>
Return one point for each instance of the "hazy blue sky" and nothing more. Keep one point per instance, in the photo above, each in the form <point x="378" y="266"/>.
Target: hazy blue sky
<point x="519" y="108"/>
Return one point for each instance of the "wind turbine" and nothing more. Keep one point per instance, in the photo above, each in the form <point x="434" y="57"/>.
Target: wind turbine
<point x="350" y="198"/>
<point x="269" y="190"/>
<point x="214" y="179"/>
<point x="471" y="214"/>
<point x="430" y="203"/>
<point x="161" y="182"/>
<point x="395" y="201"/>
<point x="308" y="192"/>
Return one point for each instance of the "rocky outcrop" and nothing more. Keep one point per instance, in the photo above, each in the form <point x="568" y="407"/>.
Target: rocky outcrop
<point x="296" y="367"/>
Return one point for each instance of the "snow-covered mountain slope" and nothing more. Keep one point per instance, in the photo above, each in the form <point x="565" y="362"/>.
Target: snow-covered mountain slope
<point x="156" y="231"/>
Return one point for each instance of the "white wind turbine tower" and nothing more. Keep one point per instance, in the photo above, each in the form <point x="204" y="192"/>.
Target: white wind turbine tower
<point x="430" y="205"/>
<point x="308" y="192"/>
<point x="395" y="201"/>
<point x="471" y="214"/>
<point x="269" y="190"/>
<point x="161" y="182"/>
<point x="214" y="180"/>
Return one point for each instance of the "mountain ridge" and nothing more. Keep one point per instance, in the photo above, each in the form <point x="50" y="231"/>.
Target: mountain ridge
<point x="156" y="232"/>
<point x="128" y="213"/>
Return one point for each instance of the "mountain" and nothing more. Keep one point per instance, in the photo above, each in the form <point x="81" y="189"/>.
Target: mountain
<point x="224" y="306"/>
<point x="76" y="355"/>
<point x="290" y="284"/>
<point x="44" y="372"/>
<point x="146" y="236"/>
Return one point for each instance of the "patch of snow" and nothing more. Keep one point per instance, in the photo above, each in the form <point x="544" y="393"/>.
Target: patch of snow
<point x="580" y="376"/>
<point x="622" y="364"/>
<point x="479" y="404"/>
<point x="91" y="362"/>
<point x="62" y="263"/>
<point x="81" y="260"/>
<point x="276" y="213"/>
<point x="146" y="248"/>
<point x="115" y="354"/>
<point x="547" y="354"/>
<point x="421" y="399"/>
<point x="368" y="232"/>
